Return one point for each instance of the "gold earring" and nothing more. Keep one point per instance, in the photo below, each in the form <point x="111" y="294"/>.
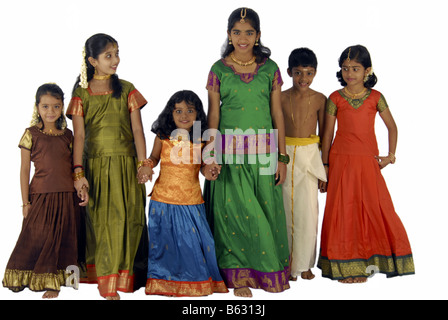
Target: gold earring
<point x="256" y="43"/>
<point x="230" y="41"/>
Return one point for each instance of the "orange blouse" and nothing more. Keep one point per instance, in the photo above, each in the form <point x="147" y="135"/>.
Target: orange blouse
<point x="178" y="181"/>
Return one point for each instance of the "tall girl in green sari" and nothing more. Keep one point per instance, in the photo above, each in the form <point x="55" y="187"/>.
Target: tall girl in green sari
<point x="109" y="144"/>
<point x="245" y="205"/>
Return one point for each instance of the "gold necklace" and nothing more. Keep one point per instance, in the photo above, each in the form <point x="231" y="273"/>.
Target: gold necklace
<point x="354" y="95"/>
<point x="241" y="63"/>
<point x="98" y="77"/>
<point x="307" y="111"/>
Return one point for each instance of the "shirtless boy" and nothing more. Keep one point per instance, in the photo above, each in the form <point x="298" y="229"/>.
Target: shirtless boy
<point x="304" y="112"/>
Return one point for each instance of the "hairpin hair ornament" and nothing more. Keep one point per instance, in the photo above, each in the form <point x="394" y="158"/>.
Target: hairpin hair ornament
<point x="243" y="15"/>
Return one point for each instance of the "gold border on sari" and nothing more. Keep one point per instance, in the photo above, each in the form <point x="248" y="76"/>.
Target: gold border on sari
<point x="17" y="280"/>
<point x="390" y="265"/>
<point x="184" y="288"/>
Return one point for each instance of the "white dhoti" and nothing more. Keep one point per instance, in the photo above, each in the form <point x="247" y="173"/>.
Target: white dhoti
<point x="300" y="198"/>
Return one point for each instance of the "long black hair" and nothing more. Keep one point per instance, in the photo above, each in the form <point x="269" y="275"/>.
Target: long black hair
<point x="94" y="46"/>
<point x="164" y="125"/>
<point x="261" y="52"/>
<point x="361" y="55"/>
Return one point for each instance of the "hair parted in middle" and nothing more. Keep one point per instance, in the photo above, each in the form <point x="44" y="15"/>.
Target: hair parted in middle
<point x="250" y="16"/>
<point x="164" y="126"/>
<point x="93" y="47"/>
<point x="361" y="55"/>
<point x="55" y="91"/>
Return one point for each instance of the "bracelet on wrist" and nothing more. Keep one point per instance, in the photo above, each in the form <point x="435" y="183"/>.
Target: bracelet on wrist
<point x="283" y="158"/>
<point x="145" y="163"/>
<point x="26" y="204"/>
<point x="392" y="158"/>
<point x="78" y="175"/>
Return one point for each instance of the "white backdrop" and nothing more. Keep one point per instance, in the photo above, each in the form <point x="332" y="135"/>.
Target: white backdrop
<point x="170" y="45"/>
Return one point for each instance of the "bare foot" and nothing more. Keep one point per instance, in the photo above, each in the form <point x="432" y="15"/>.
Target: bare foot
<point x="291" y="278"/>
<point x="307" y="275"/>
<point x="243" y="292"/>
<point x="354" y="280"/>
<point x="50" y="294"/>
<point x="359" y="280"/>
<point x="346" y="280"/>
<point x="116" y="297"/>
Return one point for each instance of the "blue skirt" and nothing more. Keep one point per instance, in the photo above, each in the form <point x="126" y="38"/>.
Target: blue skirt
<point x="182" y="259"/>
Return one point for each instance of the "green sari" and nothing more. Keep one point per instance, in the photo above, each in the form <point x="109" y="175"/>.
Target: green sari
<point x="116" y="234"/>
<point x="245" y="208"/>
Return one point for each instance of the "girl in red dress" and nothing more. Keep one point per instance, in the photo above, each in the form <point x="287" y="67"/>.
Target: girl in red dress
<point x="361" y="233"/>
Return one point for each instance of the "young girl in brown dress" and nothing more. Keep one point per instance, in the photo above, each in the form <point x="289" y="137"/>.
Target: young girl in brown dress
<point x="47" y="244"/>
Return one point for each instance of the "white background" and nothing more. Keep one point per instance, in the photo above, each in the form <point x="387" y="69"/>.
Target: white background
<point x="166" y="46"/>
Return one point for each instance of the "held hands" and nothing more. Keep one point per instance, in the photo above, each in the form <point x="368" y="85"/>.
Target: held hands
<point x="144" y="174"/>
<point x="144" y="170"/>
<point x="211" y="171"/>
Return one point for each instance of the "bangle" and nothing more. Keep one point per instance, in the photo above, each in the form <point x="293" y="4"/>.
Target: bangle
<point x="26" y="204"/>
<point x="393" y="158"/>
<point x="78" y="175"/>
<point x="326" y="164"/>
<point x="145" y="163"/>
<point x="208" y="157"/>
<point x="283" y="158"/>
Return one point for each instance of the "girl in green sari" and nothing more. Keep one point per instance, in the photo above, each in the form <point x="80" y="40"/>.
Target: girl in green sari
<point x="245" y="205"/>
<point x="109" y="144"/>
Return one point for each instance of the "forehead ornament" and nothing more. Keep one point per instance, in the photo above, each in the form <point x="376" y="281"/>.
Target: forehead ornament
<point x="243" y="15"/>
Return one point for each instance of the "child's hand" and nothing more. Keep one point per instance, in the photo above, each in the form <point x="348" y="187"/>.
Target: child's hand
<point x="211" y="171"/>
<point x="280" y="175"/>
<point x="83" y="194"/>
<point x="26" y="210"/>
<point x="144" y="174"/>
<point x="383" y="161"/>
<point x="322" y="186"/>
<point x="80" y="184"/>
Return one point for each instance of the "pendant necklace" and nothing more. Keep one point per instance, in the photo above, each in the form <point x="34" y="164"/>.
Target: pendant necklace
<point x="307" y="111"/>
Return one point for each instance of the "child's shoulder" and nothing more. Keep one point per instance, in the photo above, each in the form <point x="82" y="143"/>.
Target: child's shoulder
<point x="318" y="95"/>
<point x="126" y="84"/>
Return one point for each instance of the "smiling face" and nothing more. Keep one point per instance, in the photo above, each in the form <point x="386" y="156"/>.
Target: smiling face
<point x="50" y="109"/>
<point x="302" y="77"/>
<point x="243" y="37"/>
<point x="184" y="115"/>
<point x="108" y="61"/>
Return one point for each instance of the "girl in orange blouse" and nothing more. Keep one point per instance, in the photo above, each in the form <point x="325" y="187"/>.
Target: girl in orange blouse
<point x="182" y="259"/>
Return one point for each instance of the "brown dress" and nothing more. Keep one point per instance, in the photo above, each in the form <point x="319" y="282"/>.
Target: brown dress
<point x="47" y="244"/>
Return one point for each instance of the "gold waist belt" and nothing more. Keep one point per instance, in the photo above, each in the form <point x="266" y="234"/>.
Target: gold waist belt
<point x="302" y="141"/>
